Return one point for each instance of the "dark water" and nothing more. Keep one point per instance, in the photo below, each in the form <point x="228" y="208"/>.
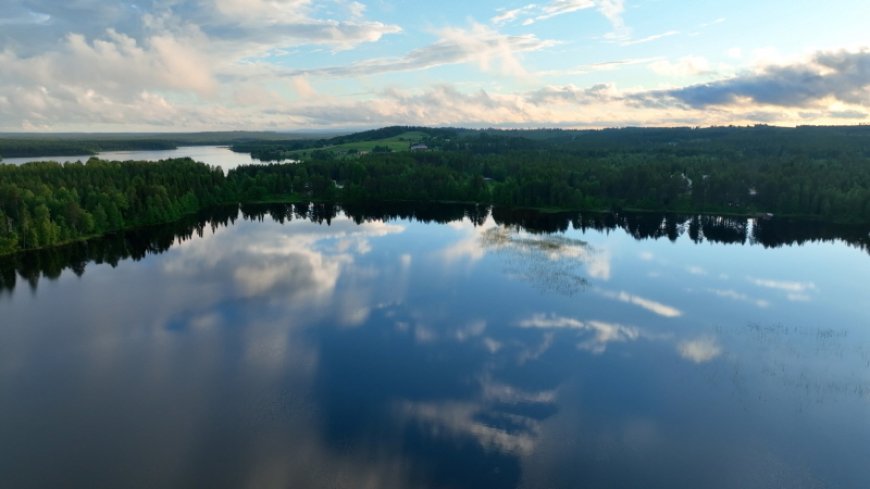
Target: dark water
<point x="441" y="347"/>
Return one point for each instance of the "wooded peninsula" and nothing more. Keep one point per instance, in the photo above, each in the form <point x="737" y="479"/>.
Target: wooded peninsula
<point x="820" y="173"/>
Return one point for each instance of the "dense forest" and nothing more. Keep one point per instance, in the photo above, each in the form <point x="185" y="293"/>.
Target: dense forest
<point x="811" y="172"/>
<point x="44" y="204"/>
<point x="817" y="172"/>
<point x="139" y="243"/>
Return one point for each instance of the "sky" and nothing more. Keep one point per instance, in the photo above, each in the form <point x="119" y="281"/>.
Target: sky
<point x="191" y="65"/>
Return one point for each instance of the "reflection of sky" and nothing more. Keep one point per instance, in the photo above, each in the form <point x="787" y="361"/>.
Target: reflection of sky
<point x="210" y="155"/>
<point x="401" y="354"/>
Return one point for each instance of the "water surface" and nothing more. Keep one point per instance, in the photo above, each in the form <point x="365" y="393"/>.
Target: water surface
<point x="220" y="156"/>
<point x="299" y="347"/>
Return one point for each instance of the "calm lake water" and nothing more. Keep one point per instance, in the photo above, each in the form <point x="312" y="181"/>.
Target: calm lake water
<point x="220" y="156"/>
<point x="298" y="347"/>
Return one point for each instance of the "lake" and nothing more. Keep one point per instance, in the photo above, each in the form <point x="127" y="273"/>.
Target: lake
<point x="220" y="156"/>
<point x="442" y="347"/>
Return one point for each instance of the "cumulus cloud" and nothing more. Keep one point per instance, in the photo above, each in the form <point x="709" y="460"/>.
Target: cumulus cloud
<point x="222" y="64"/>
<point x="843" y="76"/>
<point x="156" y="63"/>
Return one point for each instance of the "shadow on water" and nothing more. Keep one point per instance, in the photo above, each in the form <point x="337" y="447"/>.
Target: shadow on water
<point x="137" y="244"/>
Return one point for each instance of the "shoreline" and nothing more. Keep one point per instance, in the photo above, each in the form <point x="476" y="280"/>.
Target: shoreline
<point x="278" y="200"/>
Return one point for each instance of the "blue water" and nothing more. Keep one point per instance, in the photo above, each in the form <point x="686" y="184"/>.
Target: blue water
<point x="401" y="353"/>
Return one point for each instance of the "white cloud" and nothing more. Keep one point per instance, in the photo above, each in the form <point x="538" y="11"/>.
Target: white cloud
<point x="531" y="13"/>
<point x="115" y="65"/>
<point x="223" y="64"/>
<point x="262" y="11"/>
<point x="683" y="67"/>
<point x="511" y="15"/>
<point x="650" y="38"/>
<point x="101" y="63"/>
<point x="561" y="7"/>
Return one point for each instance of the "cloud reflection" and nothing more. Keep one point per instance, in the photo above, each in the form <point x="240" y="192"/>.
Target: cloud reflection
<point x="794" y="291"/>
<point x="492" y="419"/>
<point x="305" y="262"/>
<point x="459" y="419"/>
<point x="648" y="304"/>
<point x="604" y="333"/>
<point x="700" y="350"/>
<point x="733" y="294"/>
<point x="549" y="261"/>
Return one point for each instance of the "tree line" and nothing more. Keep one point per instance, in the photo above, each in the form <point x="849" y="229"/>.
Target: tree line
<point x="818" y="173"/>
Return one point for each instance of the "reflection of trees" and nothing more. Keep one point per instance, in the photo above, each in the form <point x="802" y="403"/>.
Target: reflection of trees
<point x="441" y="213"/>
<point x="718" y="229"/>
<point x="137" y="244"/>
<point x="772" y="233"/>
<point x="532" y="221"/>
<point x="549" y="262"/>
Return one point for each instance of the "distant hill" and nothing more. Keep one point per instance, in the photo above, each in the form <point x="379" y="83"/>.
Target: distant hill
<point x="14" y="145"/>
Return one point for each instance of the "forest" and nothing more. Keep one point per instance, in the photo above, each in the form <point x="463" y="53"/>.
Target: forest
<point x="45" y="203"/>
<point x="815" y="172"/>
<point x="819" y="173"/>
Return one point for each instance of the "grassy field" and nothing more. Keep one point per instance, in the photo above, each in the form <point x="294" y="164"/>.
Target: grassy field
<point x="402" y="142"/>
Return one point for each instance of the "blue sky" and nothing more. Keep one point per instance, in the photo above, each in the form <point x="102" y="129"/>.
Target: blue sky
<point x="180" y="65"/>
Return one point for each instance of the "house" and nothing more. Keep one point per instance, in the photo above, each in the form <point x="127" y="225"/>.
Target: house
<point x="419" y="147"/>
